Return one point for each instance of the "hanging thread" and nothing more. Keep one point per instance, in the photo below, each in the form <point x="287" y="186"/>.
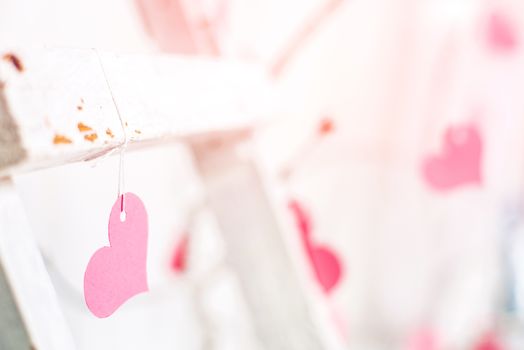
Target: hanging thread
<point x="123" y="146"/>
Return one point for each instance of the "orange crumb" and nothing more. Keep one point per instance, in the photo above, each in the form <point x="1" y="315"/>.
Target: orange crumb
<point x="82" y="127"/>
<point x="109" y="133"/>
<point x="91" y="137"/>
<point x="61" y="139"/>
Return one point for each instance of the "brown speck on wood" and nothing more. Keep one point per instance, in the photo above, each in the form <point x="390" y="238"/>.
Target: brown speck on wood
<point x="61" y="139"/>
<point x="109" y="133"/>
<point x="79" y="107"/>
<point x="15" y="61"/>
<point x="91" y="137"/>
<point x="126" y="124"/>
<point x="82" y="127"/>
<point x="138" y="131"/>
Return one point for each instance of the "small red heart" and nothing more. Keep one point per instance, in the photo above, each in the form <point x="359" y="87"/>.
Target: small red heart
<point x="118" y="272"/>
<point x="459" y="163"/>
<point x="501" y="34"/>
<point x="179" y="260"/>
<point x="324" y="261"/>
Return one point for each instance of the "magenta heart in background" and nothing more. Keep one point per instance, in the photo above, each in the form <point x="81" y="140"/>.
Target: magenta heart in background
<point x="324" y="261"/>
<point x="501" y="34"/>
<point x="118" y="272"/>
<point x="459" y="162"/>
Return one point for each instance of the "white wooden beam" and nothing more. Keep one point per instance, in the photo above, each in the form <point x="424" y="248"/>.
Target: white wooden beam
<point x="59" y="106"/>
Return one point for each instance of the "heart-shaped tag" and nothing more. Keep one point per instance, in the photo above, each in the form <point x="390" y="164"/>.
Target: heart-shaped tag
<point x="118" y="272"/>
<point x="459" y="163"/>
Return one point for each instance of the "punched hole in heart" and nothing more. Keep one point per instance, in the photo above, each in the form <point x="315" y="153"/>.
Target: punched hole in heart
<point x="122" y="209"/>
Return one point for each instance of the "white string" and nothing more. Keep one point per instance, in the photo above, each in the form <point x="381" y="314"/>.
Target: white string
<point x="122" y="146"/>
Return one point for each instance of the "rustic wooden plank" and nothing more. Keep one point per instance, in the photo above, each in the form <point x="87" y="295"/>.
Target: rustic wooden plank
<point x="35" y="318"/>
<point x="59" y="106"/>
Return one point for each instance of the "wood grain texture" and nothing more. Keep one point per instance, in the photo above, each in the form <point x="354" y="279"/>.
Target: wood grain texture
<point x="67" y="105"/>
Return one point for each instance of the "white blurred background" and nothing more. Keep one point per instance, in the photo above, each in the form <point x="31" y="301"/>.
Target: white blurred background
<point x="397" y="127"/>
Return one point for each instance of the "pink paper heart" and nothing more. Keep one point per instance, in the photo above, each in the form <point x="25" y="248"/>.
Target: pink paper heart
<point x="501" y="34"/>
<point x="459" y="163"/>
<point x="324" y="261"/>
<point x="118" y="272"/>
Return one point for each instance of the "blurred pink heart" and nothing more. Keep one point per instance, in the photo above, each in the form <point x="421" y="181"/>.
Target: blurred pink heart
<point x="489" y="341"/>
<point x="459" y="162"/>
<point x="323" y="260"/>
<point x="118" y="272"/>
<point x="422" y="339"/>
<point x="501" y="34"/>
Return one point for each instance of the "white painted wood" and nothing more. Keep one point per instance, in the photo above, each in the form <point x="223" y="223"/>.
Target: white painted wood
<point x="13" y="334"/>
<point x="256" y="251"/>
<point x="159" y="98"/>
<point x="28" y="280"/>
